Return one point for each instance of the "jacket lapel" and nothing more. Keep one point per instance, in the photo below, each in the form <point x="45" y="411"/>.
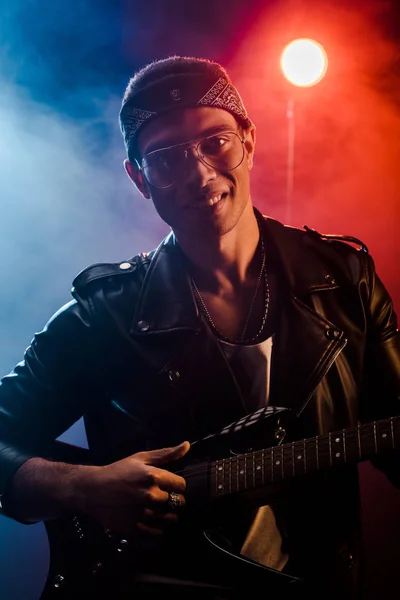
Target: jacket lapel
<point x="166" y="302"/>
<point x="307" y="342"/>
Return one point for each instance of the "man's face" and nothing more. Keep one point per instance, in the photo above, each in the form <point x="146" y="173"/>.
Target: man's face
<point x="203" y="199"/>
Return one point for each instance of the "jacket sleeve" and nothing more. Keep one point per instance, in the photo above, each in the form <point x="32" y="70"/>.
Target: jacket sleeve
<point x="382" y="364"/>
<point x="50" y="389"/>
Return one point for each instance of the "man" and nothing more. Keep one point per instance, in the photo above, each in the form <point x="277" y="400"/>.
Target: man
<point x="231" y="314"/>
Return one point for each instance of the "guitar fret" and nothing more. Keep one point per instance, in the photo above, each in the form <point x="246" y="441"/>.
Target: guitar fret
<point x="282" y="462"/>
<point x="293" y="459"/>
<point x="285" y="454"/>
<point x="235" y="474"/>
<point x="350" y="445"/>
<point x="337" y="448"/>
<point x="220" y="476"/>
<point x="220" y="469"/>
<point x="311" y="464"/>
<point x="344" y="446"/>
<point x="274" y="464"/>
<point x="353" y="445"/>
<point x="263" y="469"/>
<point x="368" y="446"/>
<point x="257" y="470"/>
<point x="383" y="437"/>
<point x="299" y="456"/>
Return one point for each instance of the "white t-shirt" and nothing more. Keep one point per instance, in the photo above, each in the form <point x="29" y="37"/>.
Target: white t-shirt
<point x="251" y="365"/>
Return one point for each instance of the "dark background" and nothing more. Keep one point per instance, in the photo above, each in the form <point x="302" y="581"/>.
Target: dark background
<point x="66" y="202"/>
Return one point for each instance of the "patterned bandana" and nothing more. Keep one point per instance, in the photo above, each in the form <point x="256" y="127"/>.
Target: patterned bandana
<point x="178" y="91"/>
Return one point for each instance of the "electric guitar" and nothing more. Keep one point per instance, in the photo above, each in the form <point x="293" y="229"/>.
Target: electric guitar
<point x="231" y="468"/>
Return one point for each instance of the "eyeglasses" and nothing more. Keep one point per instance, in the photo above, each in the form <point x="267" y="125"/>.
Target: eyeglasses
<point x="222" y="151"/>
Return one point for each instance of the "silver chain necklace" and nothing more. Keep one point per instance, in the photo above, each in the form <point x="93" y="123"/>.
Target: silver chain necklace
<point x="221" y="336"/>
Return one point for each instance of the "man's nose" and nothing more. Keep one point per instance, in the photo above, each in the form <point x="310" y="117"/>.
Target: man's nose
<point x="196" y="169"/>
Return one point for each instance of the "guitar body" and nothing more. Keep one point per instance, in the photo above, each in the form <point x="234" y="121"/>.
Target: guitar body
<point x="228" y="474"/>
<point x="86" y="560"/>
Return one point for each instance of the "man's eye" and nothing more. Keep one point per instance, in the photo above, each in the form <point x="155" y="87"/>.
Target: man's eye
<point x="214" y="144"/>
<point x="158" y="159"/>
<point x="161" y="157"/>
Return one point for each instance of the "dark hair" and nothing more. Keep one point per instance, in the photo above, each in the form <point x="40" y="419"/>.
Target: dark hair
<point x="173" y="65"/>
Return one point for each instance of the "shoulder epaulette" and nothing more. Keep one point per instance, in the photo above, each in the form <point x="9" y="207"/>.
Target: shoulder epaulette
<point x="108" y="270"/>
<point x="335" y="237"/>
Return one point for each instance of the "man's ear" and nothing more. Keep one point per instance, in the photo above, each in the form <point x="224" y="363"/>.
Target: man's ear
<point x="136" y="176"/>
<point x="250" y="144"/>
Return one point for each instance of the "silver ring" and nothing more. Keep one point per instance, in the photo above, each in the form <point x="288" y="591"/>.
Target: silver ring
<point x="174" y="501"/>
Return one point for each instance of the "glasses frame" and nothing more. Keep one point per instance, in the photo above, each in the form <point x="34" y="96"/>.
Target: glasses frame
<point x="195" y="144"/>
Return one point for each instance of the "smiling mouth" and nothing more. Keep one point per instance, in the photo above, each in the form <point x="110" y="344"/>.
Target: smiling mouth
<point x="211" y="201"/>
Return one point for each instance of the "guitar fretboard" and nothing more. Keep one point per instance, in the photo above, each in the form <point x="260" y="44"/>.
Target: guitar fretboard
<point x="263" y="467"/>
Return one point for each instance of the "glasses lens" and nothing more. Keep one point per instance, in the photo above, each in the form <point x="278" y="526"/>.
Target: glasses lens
<point x="223" y="151"/>
<point x="163" y="167"/>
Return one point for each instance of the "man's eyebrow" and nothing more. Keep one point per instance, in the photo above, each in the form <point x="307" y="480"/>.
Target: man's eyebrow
<point x="172" y="142"/>
<point x="217" y="129"/>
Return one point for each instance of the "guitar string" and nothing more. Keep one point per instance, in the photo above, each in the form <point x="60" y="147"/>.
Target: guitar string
<point x="189" y="471"/>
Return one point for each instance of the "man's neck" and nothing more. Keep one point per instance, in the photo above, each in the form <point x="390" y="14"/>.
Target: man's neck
<point x="227" y="260"/>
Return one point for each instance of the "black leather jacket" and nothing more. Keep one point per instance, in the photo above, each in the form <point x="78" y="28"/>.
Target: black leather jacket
<point x="132" y="354"/>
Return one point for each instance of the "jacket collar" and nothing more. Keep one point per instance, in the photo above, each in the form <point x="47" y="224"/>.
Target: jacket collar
<point x="294" y="248"/>
<point x="166" y="301"/>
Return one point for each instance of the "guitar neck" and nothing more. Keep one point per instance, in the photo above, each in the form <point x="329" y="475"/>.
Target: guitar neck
<point x="260" y="468"/>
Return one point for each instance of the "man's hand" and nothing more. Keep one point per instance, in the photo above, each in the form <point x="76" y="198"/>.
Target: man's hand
<point x="131" y="493"/>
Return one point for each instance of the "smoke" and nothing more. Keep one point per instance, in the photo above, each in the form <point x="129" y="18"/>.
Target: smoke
<point x="65" y="202"/>
<point x="347" y="127"/>
<point x="65" y="199"/>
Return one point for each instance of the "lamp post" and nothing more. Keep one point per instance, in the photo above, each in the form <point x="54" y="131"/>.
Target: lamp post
<point x="304" y="63"/>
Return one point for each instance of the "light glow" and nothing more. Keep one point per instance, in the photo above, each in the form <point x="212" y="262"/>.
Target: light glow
<point x="304" y="62"/>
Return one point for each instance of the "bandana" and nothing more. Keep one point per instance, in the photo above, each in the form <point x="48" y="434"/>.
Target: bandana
<point x="178" y="91"/>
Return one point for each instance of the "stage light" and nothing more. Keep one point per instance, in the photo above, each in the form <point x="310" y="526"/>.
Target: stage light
<point x="304" y="62"/>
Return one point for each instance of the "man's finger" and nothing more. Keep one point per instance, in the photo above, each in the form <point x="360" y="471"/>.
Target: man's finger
<point x="163" y="455"/>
